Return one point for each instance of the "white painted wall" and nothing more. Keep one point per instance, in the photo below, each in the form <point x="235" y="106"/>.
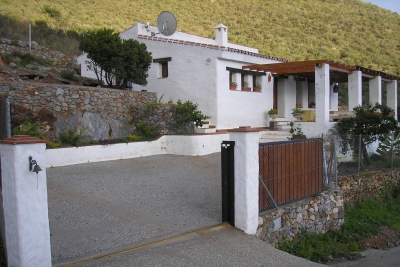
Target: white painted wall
<point x="25" y="206"/>
<point x="191" y="145"/>
<point x="286" y="97"/>
<point x="246" y="180"/>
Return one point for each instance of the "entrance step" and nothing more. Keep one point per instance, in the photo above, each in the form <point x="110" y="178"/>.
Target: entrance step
<point x="205" y="130"/>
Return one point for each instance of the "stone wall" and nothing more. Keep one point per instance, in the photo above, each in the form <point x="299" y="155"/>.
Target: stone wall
<point x="317" y="214"/>
<point x="98" y="113"/>
<point x="368" y="185"/>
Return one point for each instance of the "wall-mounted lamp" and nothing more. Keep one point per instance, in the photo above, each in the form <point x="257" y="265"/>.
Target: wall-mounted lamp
<point x="33" y="166"/>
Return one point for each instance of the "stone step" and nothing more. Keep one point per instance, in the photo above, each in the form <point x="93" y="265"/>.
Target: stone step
<point x="204" y="130"/>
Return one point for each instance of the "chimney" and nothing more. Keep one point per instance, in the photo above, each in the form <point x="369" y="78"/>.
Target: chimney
<point x="221" y="35"/>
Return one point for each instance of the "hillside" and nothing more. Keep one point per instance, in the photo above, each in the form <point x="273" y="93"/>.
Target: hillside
<point x="349" y="31"/>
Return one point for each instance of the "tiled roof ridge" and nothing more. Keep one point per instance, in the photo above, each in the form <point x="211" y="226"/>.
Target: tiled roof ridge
<point x="210" y="46"/>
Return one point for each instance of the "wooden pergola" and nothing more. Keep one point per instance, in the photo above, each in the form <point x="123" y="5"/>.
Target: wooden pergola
<point x="306" y="70"/>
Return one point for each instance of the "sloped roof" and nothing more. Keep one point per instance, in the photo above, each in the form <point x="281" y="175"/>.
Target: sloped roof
<point x="210" y="46"/>
<point x="306" y="69"/>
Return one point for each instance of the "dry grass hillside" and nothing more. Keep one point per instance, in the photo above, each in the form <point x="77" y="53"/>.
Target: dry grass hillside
<point x="349" y="31"/>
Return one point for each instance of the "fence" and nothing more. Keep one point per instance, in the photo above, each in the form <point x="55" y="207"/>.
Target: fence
<point x="290" y="171"/>
<point x="5" y="118"/>
<point x="360" y="154"/>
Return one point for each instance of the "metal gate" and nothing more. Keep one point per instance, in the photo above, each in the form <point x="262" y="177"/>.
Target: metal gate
<point x="290" y="170"/>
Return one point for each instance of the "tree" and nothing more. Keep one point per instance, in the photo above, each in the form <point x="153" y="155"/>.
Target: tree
<point x="117" y="61"/>
<point x="372" y="123"/>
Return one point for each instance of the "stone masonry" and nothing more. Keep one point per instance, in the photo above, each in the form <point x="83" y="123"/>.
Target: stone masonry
<point x="317" y="214"/>
<point x="98" y="113"/>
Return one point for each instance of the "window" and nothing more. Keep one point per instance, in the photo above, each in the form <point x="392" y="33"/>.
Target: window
<point x="162" y="66"/>
<point x="164" y="69"/>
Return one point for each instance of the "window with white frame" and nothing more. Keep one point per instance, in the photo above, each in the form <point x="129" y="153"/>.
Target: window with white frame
<point x="162" y="68"/>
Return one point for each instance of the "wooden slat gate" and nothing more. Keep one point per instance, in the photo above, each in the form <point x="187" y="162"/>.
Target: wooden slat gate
<point x="291" y="170"/>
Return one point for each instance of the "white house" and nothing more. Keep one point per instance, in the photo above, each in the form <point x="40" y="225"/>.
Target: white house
<point x="190" y="67"/>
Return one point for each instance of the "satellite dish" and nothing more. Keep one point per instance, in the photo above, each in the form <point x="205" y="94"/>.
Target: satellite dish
<point x="166" y="23"/>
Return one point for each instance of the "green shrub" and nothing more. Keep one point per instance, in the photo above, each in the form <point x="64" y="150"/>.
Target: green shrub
<point x="51" y="11"/>
<point x="70" y="138"/>
<point x="27" y="128"/>
<point x="69" y="75"/>
<point x="145" y="131"/>
<point x="188" y="113"/>
<point x="14" y="42"/>
<point x="132" y="138"/>
<point x="52" y="144"/>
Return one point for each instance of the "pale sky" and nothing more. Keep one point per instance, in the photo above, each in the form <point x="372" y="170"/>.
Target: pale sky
<point x="393" y="5"/>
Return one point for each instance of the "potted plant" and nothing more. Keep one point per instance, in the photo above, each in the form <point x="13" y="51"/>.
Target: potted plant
<point x="312" y="104"/>
<point x="257" y="87"/>
<point x="297" y="113"/>
<point x="298" y="134"/>
<point x="273" y="113"/>
<point x="245" y="87"/>
<point x="232" y="86"/>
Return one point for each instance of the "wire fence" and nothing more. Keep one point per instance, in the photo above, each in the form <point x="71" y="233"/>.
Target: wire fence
<point x="359" y="154"/>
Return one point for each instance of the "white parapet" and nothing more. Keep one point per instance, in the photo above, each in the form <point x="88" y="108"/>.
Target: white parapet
<point x="191" y="145"/>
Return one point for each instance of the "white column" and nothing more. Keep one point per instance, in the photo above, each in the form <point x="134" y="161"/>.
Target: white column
<point x="375" y="90"/>
<point x="322" y="91"/>
<point x="355" y="89"/>
<point x="246" y="179"/>
<point x="392" y="95"/>
<point x="25" y="202"/>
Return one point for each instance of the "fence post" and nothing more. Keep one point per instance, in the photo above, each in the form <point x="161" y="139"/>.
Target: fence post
<point x="228" y="181"/>
<point x="27" y="234"/>
<point x="246" y="178"/>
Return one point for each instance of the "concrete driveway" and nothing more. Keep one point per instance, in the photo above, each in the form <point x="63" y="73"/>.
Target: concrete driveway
<point x="99" y="207"/>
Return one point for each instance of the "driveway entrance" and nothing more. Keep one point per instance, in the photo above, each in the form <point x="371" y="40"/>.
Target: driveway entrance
<point x="99" y="207"/>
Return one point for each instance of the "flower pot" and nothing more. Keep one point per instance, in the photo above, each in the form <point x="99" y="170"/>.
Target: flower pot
<point x="298" y="116"/>
<point x="248" y="89"/>
<point x="273" y="116"/>
<point x="256" y="89"/>
<point x="233" y="88"/>
<point x="296" y="137"/>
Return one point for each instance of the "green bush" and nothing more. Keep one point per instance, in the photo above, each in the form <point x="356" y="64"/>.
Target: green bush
<point x="145" y="131"/>
<point x="132" y="138"/>
<point x="188" y="113"/>
<point x="27" y="128"/>
<point x="70" y="138"/>
<point x="69" y="75"/>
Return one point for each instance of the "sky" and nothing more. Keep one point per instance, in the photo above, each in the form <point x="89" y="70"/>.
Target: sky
<point x="393" y="5"/>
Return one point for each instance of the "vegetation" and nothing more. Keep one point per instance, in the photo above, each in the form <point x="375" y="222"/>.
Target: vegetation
<point x="70" y="138"/>
<point x="362" y="221"/>
<point x="370" y="124"/>
<point x="187" y="112"/>
<point x="297" y="110"/>
<point x="349" y="31"/>
<point x="27" y="128"/>
<point x="145" y="131"/>
<point x="272" y="111"/>
<point x="118" y="61"/>
<point x="69" y="75"/>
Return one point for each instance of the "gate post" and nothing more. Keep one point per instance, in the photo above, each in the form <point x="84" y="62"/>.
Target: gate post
<point x="27" y="233"/>
<point x="246" y="178"/>
<point x="228" y="181"/>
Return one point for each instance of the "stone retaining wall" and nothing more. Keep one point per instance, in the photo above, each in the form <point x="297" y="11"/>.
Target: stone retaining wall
<point x="317" y="214"/>
<point x="368" y="185"/>
<point x="98" y="113"/>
